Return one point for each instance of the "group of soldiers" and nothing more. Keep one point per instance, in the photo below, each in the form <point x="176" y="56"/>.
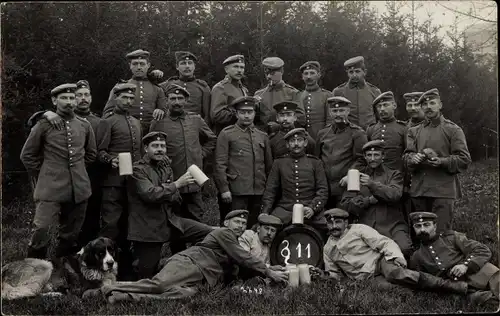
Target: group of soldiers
<point x="265" y="153"/>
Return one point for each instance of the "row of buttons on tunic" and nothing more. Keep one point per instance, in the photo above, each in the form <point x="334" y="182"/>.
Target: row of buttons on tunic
<point x="141" y="93"/>
<point x="297" y="183"/>
<point x="308" y="110"/>
<point x="69" y="144"/>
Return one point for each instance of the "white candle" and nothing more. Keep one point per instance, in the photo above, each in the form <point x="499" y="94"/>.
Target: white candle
<point x="298" y="214"/>
<point x="198" y="175"/>
<point x="293" y="275"/>
<point x="125" y="164"/>
<point x="353" y="180"/>
<point x="304" y="275"/>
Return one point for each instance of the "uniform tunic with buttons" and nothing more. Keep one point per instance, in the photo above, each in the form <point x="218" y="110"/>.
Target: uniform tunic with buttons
<point x="243" y="160"/>
<point x="296" y="179"/>
<point x="448" y="140"/>
<point x="340" y="149"/>
<point x="361" y="96"/>
<point x="183" y="142"/>
<point x="271" y="95"/>
<point x="151" y="193"/>
<point x="407" y="176"/>
<point x="57" y="159"/>
<point x="148" y="97"/>
<point x="278" y="144"/>
<point x="314" y="102"/>
<point x="118" y="133"/>
<point x="393" y="134"/>
<point x="386" y="215"/>
<point x="450" y="248"/>
<point x="199" y="94"/>
<point x="223" y="93"/>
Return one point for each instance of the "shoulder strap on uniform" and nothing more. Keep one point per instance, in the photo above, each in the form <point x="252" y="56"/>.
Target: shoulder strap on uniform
<point x="312" y="156"/>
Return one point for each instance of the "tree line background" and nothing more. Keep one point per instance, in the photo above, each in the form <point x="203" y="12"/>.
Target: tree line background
<point x="47" y="44"/>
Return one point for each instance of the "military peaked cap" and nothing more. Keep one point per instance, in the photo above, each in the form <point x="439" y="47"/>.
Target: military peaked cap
<point x="336" y="213"/>
<point x="237" y="213"/>
<point x="273" y="62"/>
<point x="284" y="106"/>
<point x="422" y="217"/>
<point x="234" y="59"/>
<point x="64" y="88"/>
<point x="412" y="96"/>
<point x="175" y="88"/>
<point x="310" y="65"/>
<point x="377" y="144"/>
<point x="138" y="54"/>
<point x="429" y="95"/>
<point x="271" y="220"/>
<point x="124" y="88"/>
<point x="386" y="96"/>
<point x="243" y="101"/>
<point x="338" y="102"/>
<point x="296" y="132"/>
<point x="154" y="136"/>
<point x="82" y="84"/>
<point x="355" y="62"/>
<point x="183" y="55"/>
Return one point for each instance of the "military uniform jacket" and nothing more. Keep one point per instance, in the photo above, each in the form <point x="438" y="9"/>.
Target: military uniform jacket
<point x="450" y="248"/>
<point x="199" y="94"/>
<point x="223" y="93"/>
<point x="448" y="140"/>
<point x="57" y="159"/>
<point x="269" y="96"/>
<point x="393" y="134"/>
<point x="387" y="187"/>
<point x="317" y="116"/>
<point x="118" y="133"/>
<point x="296" y="180"/>
<point x="218" y="253"/>
<point x="184" y="147"/>
<point x="278" y="144"/>
<point x="151" y="194"/>
<point x="407" y="175"/>
<point x="340" y="149"/>
<point x="148" y="97"/>
<point x="242" y="160"/>
<point x="362" y="97"/>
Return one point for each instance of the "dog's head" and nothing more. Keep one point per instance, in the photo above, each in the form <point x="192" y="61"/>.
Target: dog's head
<point x="99" y="254"/>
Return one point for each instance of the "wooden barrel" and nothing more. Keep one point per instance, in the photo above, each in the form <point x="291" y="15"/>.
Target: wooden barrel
<point x="297" y="243"/>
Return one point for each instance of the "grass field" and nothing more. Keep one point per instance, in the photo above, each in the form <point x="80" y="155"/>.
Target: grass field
<point x="476" y="214"/>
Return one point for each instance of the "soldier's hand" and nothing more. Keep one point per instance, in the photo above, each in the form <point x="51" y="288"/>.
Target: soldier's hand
<point x="156" y="74"/>
<point x="373" y="200"/>
<point x="418" y="158"/>
<point x="226" y="197"/>
<point x="277" y="268"/>
<point x="54" y="119"/>
<point x="343" y="181"/>
<point x="114" y="162"/>
<point x="364" y="179"/>
<point x="400" y="262"/>
<point x="158" y="114"/>
<point x="434" y="162"/>
<point x="458" y="270"/>
<point x="317" y="273"/>
<point x="308" y="212"/>
<point x="184" y="180"/>
<point x="277" y="276"/>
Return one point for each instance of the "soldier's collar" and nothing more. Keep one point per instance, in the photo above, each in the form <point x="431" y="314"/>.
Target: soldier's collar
<point x="432" y="240"/>
<point x="244" y="129"/>
<point x="435" y="122"/>
<point x="65" y="116"/>
<point x="177" y="116"/>
<point x="299" y="155"/>
<point x="235" y="82"/>
<point x="186" y="79"/>
<point x="416" y="121"/>
<point x="361" y="84"/>
<point x="392" y="119"/>
<point x="339" y="127"/>
<point x="152" y="162"/>
<point x="82" y="113"/>
<point x="278" y="85"/>
<point x="117" y="110"/>
<point x="140" y="78"/>
<point x="312" y="88"/>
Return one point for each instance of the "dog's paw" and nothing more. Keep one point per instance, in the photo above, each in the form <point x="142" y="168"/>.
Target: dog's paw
<point x="91" y="293"/>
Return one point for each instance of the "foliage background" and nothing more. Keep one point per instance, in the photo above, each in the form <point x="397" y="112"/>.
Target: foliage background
<point x="47" y="44"/>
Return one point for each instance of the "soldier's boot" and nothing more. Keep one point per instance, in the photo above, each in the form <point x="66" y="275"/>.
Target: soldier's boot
<point x="428" y="281"/>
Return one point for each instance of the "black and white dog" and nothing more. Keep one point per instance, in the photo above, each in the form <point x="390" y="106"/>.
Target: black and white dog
<point x="84" y="273"/>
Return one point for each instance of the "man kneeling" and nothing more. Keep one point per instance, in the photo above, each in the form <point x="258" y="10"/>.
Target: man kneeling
<point x="360" y="252"/>
<point x="206" y="262"/>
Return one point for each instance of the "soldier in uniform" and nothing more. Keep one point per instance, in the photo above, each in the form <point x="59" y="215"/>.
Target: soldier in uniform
<point x="360" y="92"/>
<point x="118" y="133"/>
<point x="226" y="91"/>
<point x="243" y="161"/>
<point x="377" y="204"/>
<point x="152" y="194"/>
<point x="276" y="91"/>
<point x="339" y="146"/>
<point x="296" y="178"/>
<point x="451" y="255"/>
<point x="206" y="262"/>
<point x="189" y="141"/>
<point x="150" y="100"/>
<point x="286" y="116"/>
<point x="390" y="131"/>
<point x="57" y="160"/>
<point x="436" y="152"/>
<point x="314" y="99"/>
<point x="416" y="115"/>
<point x="199" y="91"/>
<point x="360" y="252"/>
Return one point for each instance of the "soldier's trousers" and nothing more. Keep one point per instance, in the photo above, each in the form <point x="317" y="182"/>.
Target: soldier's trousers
<point x="179" y="278"/>
<point x="251" y="203"/>
<point x="442" y="207"/>
<point x="192" y="206"/>
<point x="224" y="209"/>
<point x="92" y="224"/>
<point x="114" y="225"/>
<point x="70" y="217"/>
